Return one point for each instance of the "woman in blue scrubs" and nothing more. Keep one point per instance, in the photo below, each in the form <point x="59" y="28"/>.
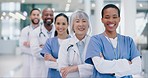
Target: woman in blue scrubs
<point x="51" y="48"/>
<point x="113" y="55"/>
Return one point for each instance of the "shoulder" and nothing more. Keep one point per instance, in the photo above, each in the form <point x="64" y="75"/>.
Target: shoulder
<point x="127" y="38"/>
<point x="96" y="37"/>
<point x="25" y="28"/>
<point x="53" y="39"/>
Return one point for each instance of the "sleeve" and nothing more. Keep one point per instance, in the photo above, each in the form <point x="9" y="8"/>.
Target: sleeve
<point x="107" y="66"/>
<point x="135" y="68"/>
<point x="63" y="55"/>
<point x="85" y="70"/>
<point x="23" y="38"/>
<point x="133" y="49"/>
<point x="51" y="64"/>
<point x="34" y="45"/>
<point x="47" y="47"/>
<point x="93" y="49"/>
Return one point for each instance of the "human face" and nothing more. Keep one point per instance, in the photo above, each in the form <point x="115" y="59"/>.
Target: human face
<point x="35" y="17"/>
<point x="61" y="25"/>
<point x="47" y="16"/>
<point x="110" y="19"/>
<point x="80" y="26"/>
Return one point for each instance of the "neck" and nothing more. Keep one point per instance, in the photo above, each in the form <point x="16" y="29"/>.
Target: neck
<point x="48" y="28"/>
<point x="63" y="36"/>
<point x="80" y="37"/>
<point x="35" y="25"/>
<point x="111" y="34"/>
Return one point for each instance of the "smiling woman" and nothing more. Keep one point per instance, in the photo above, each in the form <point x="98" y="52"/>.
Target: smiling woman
<point x="51" y="49"/>
<point x="72" y="50"/>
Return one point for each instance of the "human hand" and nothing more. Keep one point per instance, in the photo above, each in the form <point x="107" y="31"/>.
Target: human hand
<point x="41" y="46"/>
<point x="26" y="44"/>
<point x="66" y="70"/>
<point x="130" y="62"/>
<point x="101" y="55"/>
<point x="49" y="57"/>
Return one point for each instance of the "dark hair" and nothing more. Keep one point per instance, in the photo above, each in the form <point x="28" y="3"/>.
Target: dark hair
<point x="110" y="6"/>
<point x="34" y="9"/>
<point x="61" y="14"/>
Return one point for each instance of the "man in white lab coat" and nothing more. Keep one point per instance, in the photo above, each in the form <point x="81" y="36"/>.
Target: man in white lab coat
<point x="37" y="41"/>
<point x="25" y="41"/>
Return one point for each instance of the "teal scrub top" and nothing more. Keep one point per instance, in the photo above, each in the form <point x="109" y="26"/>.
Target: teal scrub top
<point x="125" y="49"/>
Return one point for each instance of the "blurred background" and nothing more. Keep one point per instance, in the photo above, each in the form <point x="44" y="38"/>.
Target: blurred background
<point x="14" y="15"/>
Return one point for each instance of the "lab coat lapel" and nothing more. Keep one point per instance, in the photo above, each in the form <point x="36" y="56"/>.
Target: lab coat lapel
<point x="85" y="48"/>
<point x="73" y="42"/>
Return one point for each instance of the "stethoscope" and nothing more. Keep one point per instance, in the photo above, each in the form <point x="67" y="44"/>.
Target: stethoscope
<point x="41" y="32"/>
<point x="71" y="47"/>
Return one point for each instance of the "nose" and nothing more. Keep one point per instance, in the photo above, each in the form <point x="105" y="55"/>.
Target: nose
<point x="49" y="16"/>
<point x="80" y="23"/>
<point x="111" y="20"/>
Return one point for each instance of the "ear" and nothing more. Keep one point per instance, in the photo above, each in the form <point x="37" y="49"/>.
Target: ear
<point x="101" y="19"/>
<point x="119" y="19"/>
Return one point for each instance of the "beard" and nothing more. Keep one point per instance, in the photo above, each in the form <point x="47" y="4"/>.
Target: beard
<point x="34" y="21"/>
<point x="48" y="22"/>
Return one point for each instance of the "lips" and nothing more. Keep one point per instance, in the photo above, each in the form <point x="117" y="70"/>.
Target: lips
<point x="111" y="25"/>
<point x="81" y="29"/>
<point x="36" y="19"/>
<point x="60" y="30"/>
<point x="48" y="22"/>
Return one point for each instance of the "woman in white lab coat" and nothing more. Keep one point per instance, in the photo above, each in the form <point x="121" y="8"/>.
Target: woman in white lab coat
<point x="72" y="51"/>
<point x="37" y="41"/>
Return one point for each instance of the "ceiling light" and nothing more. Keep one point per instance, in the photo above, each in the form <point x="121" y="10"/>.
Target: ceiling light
<point x="93" y="5"/>
<point x="23" y="1"/>
<point x="69" y="1"/>
<point x="2" y="17"/>
<point x="20" y="16"/>
<point x="4" y="13"/>
<point x="140" y="5"/>
<point x="25" y="13"/>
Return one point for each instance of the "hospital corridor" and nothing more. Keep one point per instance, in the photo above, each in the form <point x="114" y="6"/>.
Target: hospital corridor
<point x="73" y="38"/>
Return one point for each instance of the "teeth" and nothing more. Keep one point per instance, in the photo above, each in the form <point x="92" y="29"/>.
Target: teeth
<point x="111" y="25"/>
<point x="81" y="29"/>
<point x="60" y="30"/>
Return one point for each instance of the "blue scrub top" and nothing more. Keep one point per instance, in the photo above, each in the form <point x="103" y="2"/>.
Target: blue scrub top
<point x="52" y="47"/>
<point x="125" y="49"/>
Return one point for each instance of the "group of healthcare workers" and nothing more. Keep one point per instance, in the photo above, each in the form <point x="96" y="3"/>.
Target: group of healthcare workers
<point x="57" y="52"/>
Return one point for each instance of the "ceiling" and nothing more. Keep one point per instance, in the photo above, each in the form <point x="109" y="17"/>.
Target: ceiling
<point x="59" y="5"/>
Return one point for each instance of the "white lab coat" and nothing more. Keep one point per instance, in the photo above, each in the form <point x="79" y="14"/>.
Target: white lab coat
<point x="39" y="68"/>
<point x="27" y="56"/>
<point x="68" y="58"/>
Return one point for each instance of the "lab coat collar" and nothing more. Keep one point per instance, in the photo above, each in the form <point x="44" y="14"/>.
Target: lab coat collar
<point x="76" y="40"/>
<point x="46" y="31"/>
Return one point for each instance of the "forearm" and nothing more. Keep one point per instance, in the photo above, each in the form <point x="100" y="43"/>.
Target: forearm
<point x="113" y="66"/>
<point x="135" y="68"/>
<point x="51" y="64"/>
<point x="85" y="68"/>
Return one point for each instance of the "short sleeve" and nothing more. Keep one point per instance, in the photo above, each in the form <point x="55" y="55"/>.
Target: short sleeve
<point x="93" y="49"/>
<point x="134" y="51"/>
<point x="47" y="47"/>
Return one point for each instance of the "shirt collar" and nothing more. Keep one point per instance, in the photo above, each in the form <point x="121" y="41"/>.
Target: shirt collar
<point x="77" y="40"/>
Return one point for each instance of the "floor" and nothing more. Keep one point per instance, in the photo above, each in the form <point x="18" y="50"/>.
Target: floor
<point x="11" y="66"/>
